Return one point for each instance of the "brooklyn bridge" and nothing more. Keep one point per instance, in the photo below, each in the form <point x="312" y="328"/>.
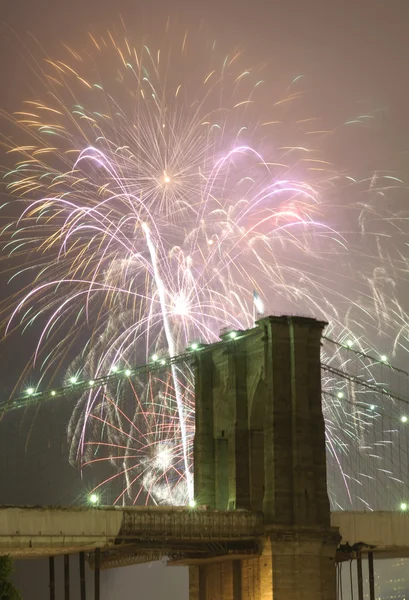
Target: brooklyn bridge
<point x="262" y="524"/>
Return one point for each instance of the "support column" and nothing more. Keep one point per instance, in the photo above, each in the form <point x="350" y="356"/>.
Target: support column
<point x="308" y="428"/>
<point x="257" y="469"/>
<point x="97" y="574"/>
<point x="266" y="571"/>
<point x="299" y="565"/>
<point x="223" y="578"/>
<point x="51" y="570"/>
<point x="237" y="580"/>
<point x="264" y="392"/>
<point x="360" y="578"/>
<point x="193" y="583"/>
<point x="321" y="513"/>
<point x="204" y="461"/>
<point x="203" y="582"/>
<point x="82" y="576"/>
<point x="371" y="576"/>
<point x="241" y="462"/>
<point x="222" y="472"/>
<point x="278" y="464"/>
<point x="66" y="577"/>
<point x="250" y="578"/>
<point x="216" y="581"/>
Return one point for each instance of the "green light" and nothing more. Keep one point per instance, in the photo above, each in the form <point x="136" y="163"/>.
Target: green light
<point x="30" y="391"/>
<point x="163" y="362"/>
<point x="91" y="382"/>
<point x="155" y="357"/>
<point x="194" y="346"/>
<point x="53" y="392"/>
<point x="349" y="343"/>
<point x="73" y="379"/>
<point x="403" y="506"/>
<point x="114" y="369"/>
<point x="192" y="503"/>
<point x="128" y="372"/>
<point x="384" y="358"/>
<point x="340" y="395"/>
<point x="404" y="419"/>
<point x="233" y="334"/>
<point x="94" y="499"/>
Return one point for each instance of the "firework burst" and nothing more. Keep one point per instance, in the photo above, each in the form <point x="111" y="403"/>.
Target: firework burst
<point x="154" y="197"/>
<point x="136" y="429"/>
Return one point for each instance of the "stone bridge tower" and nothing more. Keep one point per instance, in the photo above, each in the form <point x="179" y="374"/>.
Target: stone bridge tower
<point x="260" y="446"/>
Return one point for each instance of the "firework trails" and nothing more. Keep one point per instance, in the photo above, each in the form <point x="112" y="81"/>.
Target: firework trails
<point x="161" y="193"/>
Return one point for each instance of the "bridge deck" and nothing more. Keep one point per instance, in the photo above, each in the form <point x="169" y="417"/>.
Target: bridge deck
<point x="44" y="531"/>
<point x="386" y="532"/>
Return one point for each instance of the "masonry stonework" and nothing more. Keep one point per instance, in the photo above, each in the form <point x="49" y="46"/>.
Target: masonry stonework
<point x="260" y="446"/>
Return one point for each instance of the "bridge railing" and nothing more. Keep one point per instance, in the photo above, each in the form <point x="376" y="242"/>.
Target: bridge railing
<point x="190" y="524"/>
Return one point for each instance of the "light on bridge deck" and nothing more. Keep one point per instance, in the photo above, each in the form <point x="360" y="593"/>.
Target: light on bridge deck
<point x="93" y="499"/>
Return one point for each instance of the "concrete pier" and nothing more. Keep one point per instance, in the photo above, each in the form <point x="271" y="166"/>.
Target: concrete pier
<point x="260" y="445"/>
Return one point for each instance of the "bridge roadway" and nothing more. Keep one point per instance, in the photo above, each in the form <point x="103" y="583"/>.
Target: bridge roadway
<point x="141" y="534"/>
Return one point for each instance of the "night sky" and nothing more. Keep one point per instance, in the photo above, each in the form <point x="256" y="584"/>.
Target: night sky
<point x="353" y="53"/>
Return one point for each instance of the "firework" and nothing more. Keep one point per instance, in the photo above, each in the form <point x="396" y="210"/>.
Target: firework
<point x="157" y="194"/>
<point x="141" y="438"/>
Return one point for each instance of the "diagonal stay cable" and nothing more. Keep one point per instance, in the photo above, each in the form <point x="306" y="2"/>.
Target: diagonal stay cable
<point x="98" y="382"/>
<point x="365" y="384"/>
<point x="367" y="356"/>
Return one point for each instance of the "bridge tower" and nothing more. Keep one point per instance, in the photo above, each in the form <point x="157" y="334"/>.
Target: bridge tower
<point x="260" y="446"/>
